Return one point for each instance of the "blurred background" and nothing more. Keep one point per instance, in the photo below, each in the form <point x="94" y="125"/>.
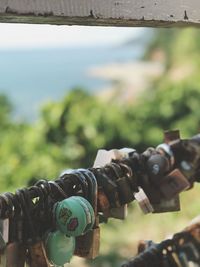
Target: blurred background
<point x="66" y="92"/>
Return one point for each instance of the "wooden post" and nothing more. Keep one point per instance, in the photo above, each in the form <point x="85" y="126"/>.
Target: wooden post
<point x="152" y="13"/>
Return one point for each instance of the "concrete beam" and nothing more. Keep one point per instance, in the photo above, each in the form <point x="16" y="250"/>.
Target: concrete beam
<point x="102" y="12"/>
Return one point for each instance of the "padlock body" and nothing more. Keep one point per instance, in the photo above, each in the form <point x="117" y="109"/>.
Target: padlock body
<point x="87" y="246"/>
<point x="59" y="248"/>
<point x="15" y="255"/>
<point x="37" y="255"/>
<point x="173" y="184"/>
<point x="74" y="216"/>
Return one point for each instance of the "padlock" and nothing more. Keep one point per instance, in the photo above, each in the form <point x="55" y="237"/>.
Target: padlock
<point x="108" y="185"/>
<point x="109" y="188"/>
<point x="4" y="235"/>
<point x="183" y="259"/>
<point x="157" y="166"/>
<point x="192" y="252"/>
<point x="173" y="184"/>
<point x="104" y="157"/>
<point x="125" y="191"/>
<point x="125" y="184"/>
<point x="87" y="245"/>
<point x="59" y="248"/>
<point x="36" y="255"/>
<point x="188" y="245"/>
<point x="124" y="153"/>
<point x="165" y="205"/>
<point x="171" y="135"/>
<point x="74" y="216"/>
<point x="143" y="201"/>
<point x="15" y="255"/>
<point x="165" y="150"/>
<point x="15" y="252"/>
<point x="117" y="211"/>
<point x="158" y="201"/>
<point x="5" y="232"/>
<point x="165" y="161"/>
<point x="105" y="209"/>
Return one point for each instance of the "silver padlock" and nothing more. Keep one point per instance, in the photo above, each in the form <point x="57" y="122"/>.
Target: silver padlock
<point x="143" y="201"/>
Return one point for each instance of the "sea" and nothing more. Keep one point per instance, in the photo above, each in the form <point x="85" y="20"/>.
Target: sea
<point x="32" y="77"/>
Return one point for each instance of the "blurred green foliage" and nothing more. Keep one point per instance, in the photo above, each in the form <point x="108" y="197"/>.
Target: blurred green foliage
<point x="69" y="132"/>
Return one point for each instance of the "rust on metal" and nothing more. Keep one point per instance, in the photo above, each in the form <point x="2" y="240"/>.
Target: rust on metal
<point x="170" y="136"/>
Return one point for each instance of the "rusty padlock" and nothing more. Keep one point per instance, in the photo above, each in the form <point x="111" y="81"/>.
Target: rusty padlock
<point x="87" y="245"/>
<point x="15" y="253"/>
<point x="173" y="184"/>
<point x="119" y="210"/>
<point x="36" y="255"/>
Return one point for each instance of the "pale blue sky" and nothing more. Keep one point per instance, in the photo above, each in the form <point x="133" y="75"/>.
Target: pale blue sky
<point x="21" y="36"/>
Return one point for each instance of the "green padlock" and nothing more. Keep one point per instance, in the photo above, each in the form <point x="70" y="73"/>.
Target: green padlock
<point x="74" y="216"/>
<point x="59" y="248"/>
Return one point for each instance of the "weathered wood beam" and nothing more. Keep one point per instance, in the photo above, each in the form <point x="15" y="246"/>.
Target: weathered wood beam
<point x="102" y="12"/>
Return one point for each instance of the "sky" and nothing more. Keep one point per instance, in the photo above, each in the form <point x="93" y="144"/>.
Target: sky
<point x="28" y="36"/>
